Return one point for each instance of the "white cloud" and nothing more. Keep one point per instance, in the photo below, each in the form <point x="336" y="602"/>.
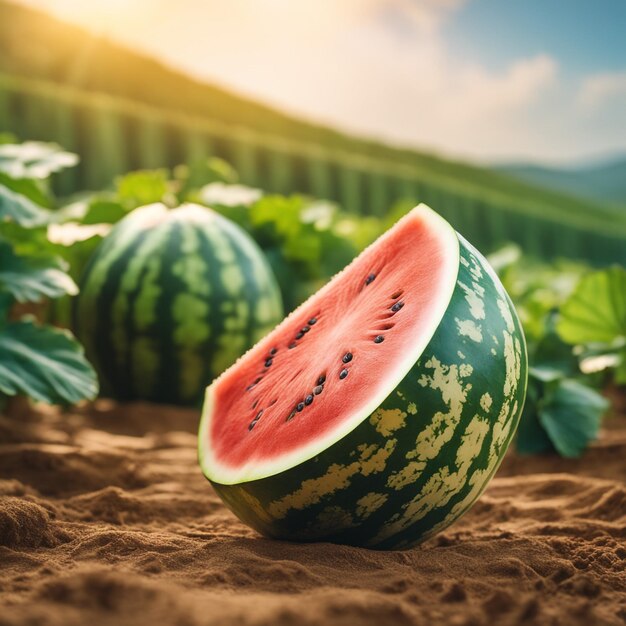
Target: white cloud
<point x="375" y="67"/>
<point x="598" y="90"/>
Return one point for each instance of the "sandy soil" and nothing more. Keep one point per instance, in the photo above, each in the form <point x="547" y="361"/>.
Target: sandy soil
<point x="106" y="519"/>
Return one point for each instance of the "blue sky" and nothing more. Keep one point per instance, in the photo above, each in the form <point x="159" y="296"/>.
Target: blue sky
<point x="585" y="35"/>
<point x="491" y="80"/>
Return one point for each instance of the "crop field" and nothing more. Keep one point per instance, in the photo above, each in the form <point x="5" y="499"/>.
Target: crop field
<point x="113" y="135"/>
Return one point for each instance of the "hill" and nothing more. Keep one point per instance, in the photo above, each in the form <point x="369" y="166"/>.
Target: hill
<point x="601" y="182"/>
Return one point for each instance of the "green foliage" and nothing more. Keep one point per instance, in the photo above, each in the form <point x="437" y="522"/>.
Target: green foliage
<point x="45" y="363"/>
<point x="573" y="319"/>
<point x="596" y="310"/>
<point x="562" y="411"/>
<point x="31" y="279"/>
<point x="306" y="241"/>
<point x="594" y="318"/>
<point x="560" y="414"/>
<point x="143" y="187"/>
<point x="204" y="172"/>
<point x="18" y="208"/>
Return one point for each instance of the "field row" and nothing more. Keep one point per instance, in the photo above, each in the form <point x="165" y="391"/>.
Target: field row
<point x="113" y="136"/>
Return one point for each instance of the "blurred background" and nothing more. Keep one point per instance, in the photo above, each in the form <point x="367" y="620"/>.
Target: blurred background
<point x="314" y="127"/>
<point x="508" y="118"/>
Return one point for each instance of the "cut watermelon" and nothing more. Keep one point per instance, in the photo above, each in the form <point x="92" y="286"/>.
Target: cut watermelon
<point x="376" y="413"/>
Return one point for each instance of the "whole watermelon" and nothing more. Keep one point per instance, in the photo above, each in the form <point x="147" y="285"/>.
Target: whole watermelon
<point x="170" y="299"/>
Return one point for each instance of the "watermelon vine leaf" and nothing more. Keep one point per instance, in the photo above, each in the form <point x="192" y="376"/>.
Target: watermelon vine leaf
<point x="20" y="209"/>
<point x="144" y="187"/>
<point x="594" y="318"/>
<point x="571" y="414"/>
<point x="560" y="414"/>
<point x="31" y="279"/>
<point x="596" y="311"/>
<point x="35" y="190"/>
<point x="45" y="363"/>
<point x="34" y="159"/>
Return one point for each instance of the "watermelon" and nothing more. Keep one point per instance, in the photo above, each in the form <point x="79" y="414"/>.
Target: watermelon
<point x="169" y="299"/>
<point x="376" y="413"/>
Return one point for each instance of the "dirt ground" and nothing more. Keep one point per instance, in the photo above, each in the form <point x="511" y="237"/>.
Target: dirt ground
<point x="105" y="518"/>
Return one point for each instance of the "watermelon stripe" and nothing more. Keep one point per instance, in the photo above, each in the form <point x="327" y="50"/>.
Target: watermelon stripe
<point x="137" y="314"/>
<point x="104" y="330"/>
<point x="167" y="381"/>
<point x="191" y="306"/>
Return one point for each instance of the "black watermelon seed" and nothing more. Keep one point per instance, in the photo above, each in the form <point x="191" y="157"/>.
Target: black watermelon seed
<point x="343" y="374"/>
<point x="251" y="385"/>
<point x="305" y="329"/>
<point x="379" y="339"/>
<point x="258" y="415"/>
<point x="317" y="390"/>
<point x="397" y="306"/>
<point x="291" y="415"/>
<point x="292" y="345"/>
<point x="370" y="279"/>
<point x="321" y="380"/>
<point x="347" y="357"/>
<point x="268" y="362"/>
<point x="308" y="399"/>
<point x="300" y="406"/>
<point x="273" y="351"/>
<point x="252" y="424"/>
<point x="312" y="321"/>
<point x="299" y="335"/>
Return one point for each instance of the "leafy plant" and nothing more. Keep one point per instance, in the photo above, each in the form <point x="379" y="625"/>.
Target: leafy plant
<point x="568" y="321"/>
<point x="560" y="414"/>
<point x="305" y="240"/>
<point x="45" y="363"/>
<point x="593" y="319"/>
<point x="563" y="412"/>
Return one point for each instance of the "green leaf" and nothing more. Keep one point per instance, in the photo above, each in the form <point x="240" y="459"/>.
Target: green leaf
<point x="30" y="279"/>
<point x="143" y="187"/>
<point x="33" y="159"/>
<point x="45" y="363"/>
<point x="596" y="310"/>
<point x="551" y="353"/>
<point x="280" y="216"/>
<point x="620" y="370"/>
<point x="20" y="209"/>
<point x="103" y="212"/>
<point x="35" y="190"/>
<point x="571" y="414"/>
<point x="531" y="438"/>
<point x="6" y="302"/>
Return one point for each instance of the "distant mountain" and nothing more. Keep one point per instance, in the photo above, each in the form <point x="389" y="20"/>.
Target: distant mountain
<point x="604" y="182"/>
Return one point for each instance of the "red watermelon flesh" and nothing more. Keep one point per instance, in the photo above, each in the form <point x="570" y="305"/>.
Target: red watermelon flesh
<point x="329" y="364"/>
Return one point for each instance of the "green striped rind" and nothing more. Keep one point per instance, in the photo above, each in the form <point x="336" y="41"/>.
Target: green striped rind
<point x="170" y="299"/>
<point x="425" y="455"/>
